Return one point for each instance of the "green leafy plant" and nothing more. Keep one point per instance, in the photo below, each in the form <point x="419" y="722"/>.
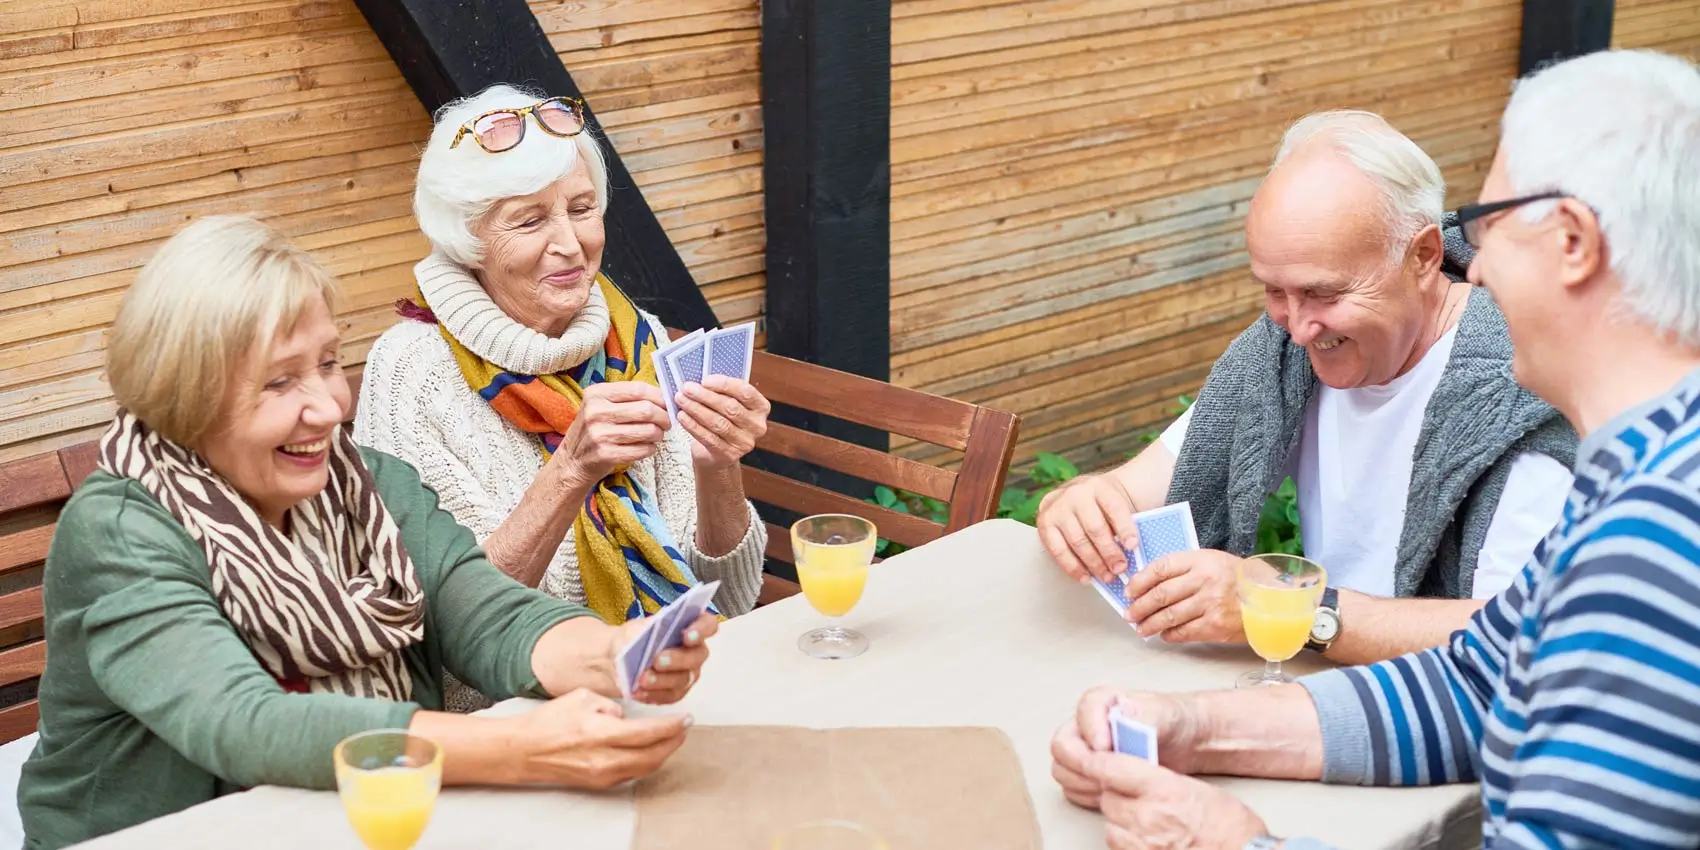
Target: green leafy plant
<point x="1278" y="524"/>
<point x="1277" y="531"/>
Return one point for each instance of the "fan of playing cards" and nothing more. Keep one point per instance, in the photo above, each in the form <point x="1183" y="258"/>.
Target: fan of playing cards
<point x="665" y="630"/>
<point x="1162" y="531"/>
<point x="698" y="354"/>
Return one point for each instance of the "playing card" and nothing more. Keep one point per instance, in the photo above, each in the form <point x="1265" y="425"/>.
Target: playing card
<point x="632" y="661"/>
<point x="686" y="359"/>
<point x="730" y="351"/>
<point x="1163" y="531"/>
<point x="1131" y="737"/>
<point x="669" y="379"/>
<point x="685" y="610"/>
<point x="666" y="630"/>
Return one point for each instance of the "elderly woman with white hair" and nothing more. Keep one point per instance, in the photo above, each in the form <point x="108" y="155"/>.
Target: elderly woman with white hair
<point x="523" y="387"/>
<point x="238" y="587"/>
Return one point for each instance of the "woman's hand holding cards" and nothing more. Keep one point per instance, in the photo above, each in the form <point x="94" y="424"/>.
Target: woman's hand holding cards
<point x="725" y="416"/>
<point x="675" y="670"/>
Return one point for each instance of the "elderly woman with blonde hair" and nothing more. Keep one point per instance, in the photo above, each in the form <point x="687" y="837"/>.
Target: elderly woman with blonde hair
<point x="523" y="387"/>
<point x="238" y="587"/>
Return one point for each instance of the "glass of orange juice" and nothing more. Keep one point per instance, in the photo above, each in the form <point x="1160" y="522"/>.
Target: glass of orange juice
<point x="833" y="552"/>
<point x="829" y="835"/>
<point x="388" y="781"/>
<point x="1278" y="599"/>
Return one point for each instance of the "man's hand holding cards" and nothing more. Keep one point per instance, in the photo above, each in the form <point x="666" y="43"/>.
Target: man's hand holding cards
<point x="657" y="661"/>
<point x="704" y="377"/>
<point x="1159" y="533"/>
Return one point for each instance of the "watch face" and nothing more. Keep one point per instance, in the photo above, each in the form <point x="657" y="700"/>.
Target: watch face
<point x="1326" y="627"/>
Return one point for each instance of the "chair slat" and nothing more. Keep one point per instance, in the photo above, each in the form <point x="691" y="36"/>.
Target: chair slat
<point x="25" y="548"/>
<point x="860" y="461"/>
<point x="779" y="544"/>
<point x="24" y="662"/>
<point x="18" y="720"/>
<point x="984" y="466"/>
<point x="79" y="460"/>
<point x="865" y="401"/>
<point x="21" y="607"/>
<point x="774" y="588"/>
<point x="783" y="492"/>
<point x="35" y="480"/>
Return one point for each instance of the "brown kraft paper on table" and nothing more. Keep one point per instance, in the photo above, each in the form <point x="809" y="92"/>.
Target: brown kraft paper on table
<point x="737" y="787"/>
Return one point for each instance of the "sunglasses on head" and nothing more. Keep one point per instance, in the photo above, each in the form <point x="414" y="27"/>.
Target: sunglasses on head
<point x="502" y="129"/>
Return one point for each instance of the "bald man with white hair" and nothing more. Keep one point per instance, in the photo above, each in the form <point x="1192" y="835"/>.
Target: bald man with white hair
<point x="1375" y="380"/>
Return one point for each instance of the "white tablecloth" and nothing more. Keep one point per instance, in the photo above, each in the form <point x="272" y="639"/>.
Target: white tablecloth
<point x="975" y="629"/>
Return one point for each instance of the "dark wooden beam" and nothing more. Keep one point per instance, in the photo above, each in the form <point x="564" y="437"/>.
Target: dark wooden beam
<point x="826" y="107"/>
<point x="453" y="48"/>
<point x="1560" y="29"/>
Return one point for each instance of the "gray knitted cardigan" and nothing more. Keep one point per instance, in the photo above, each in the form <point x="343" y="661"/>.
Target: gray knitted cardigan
<point x="1247" y="421"/>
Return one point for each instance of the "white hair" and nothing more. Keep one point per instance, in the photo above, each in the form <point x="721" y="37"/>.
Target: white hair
<point x="1619" y="130"/>
<point x="1413" y="191"/>
<point x="456" y="187"/>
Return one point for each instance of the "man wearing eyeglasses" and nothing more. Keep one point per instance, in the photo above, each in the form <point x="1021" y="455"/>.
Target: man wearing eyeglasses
<point x="1574" y="696"/>
<point x="1375" y="380"/>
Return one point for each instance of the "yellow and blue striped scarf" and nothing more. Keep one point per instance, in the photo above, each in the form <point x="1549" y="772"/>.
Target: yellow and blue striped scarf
<point x="627" y="558"/>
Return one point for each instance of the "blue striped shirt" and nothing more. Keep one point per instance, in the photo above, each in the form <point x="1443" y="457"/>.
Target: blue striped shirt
<point x="1574" y="696"/>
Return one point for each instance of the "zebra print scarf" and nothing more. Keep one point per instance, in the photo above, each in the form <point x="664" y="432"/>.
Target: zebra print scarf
<point x="327" y="607"/>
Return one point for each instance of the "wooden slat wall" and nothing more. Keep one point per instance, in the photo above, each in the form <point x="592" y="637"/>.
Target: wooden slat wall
<point x="1672" y="26"/>
<point x="677" y="86"/>
<point x="1069" y="180"/>
<point x="124" y="119"/>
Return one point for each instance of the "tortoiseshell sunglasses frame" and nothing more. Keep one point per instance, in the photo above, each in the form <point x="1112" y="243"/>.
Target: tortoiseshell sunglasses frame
<point x="576" y="105"/>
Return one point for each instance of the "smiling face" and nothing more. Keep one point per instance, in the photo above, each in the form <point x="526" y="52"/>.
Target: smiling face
<point x="542" y="252"/>
<point x="1319" y="246"/>
<point x="278" y="416"/>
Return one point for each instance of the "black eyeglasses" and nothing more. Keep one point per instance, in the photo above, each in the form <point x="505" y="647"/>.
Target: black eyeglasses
<point x="1470" y="218"/>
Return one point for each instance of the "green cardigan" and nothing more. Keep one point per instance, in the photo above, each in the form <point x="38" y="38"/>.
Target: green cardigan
<point x="151" y="703"/>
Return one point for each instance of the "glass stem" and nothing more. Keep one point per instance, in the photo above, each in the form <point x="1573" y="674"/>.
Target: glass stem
<point x="1271" y="669"/>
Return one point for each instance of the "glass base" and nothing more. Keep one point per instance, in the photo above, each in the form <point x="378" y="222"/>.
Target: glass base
<point x="833" y="642"/>
<point x="1263" y="678"/>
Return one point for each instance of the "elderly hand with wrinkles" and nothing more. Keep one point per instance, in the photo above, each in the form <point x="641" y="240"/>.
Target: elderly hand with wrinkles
<point x="725" y="417"/>
<point x="1188" y="597"/>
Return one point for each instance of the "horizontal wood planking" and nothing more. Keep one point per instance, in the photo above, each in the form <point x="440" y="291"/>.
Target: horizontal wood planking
<point x="1070" y="179"/>
<point x="151" y="115"/>
<point x="125" y="120"/>
<point x="677" y="87"/>
<point x="1671" y="26"/>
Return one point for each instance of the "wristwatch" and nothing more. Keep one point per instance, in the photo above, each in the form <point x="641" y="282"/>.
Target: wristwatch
<point x="1326" y="627"/>
<point x="1263" y="842"/>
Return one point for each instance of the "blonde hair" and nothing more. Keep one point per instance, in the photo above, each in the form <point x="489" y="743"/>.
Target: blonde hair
<point x="455" y="187"/>
<point x="218" y="291"/>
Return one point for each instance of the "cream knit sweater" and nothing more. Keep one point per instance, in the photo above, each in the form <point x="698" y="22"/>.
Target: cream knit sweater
<point x="415" y="404"/>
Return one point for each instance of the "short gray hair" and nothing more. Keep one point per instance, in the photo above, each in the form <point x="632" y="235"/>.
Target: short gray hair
<point x="1412" y="188"/>
<point x="1634" y="159"/>
<point x="457" y="187"/>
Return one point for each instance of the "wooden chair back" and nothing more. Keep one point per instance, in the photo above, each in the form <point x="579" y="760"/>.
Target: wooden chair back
<point x="32" y="491"/>
<point x="986" y="437"/>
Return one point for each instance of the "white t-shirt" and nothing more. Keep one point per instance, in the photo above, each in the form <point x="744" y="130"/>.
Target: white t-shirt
<point x="1353" y="471"/>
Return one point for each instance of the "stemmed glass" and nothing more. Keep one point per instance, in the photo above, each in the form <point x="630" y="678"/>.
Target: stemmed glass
<point x="1278" y="599"/>
<point x="833" y="552"/>
<point x="388" y="780"/>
